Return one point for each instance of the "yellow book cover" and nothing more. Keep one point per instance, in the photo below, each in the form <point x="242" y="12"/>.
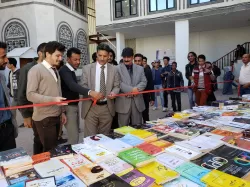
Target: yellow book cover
<point x="142" y="133"/>
<point x="162" y="143"/>
<point x="217" y="178"/>
<point x="124" y="130"/>
<point x="159" y="172"/>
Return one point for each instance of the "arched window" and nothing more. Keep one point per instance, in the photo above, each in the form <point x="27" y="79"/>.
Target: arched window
<point x="15" y="34"/>
<point x="82" y="44"/>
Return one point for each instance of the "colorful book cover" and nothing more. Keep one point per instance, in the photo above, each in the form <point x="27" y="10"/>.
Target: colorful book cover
<point x="61" y="150"/>
<point x="116" y="165"/>
<point x="124" y="130"/>
<point x="163" y="128"/>
<point x="42" y="157"/>
<point x="242" y="120"/>
<point x="136" y="157"/>
<point x="181" y="182"/>
<point x="68" y="180"/>
<point x="114" y="135"/>
<point x="96" y="139"/>
<point x="220" y="179"/>
<point x="171" y="139"/>
<point x="112" y="181"/>
<point x="158" y="134"/>
<point x="150" y="148"/>
<point x="76" y="161"/>
<point x="183" y="152"/>
<point x="185" y="133"/>
<point x="45" y="182"/>
<point x="162" y="143"/>
<point x="131" y="140"/>
<point x="226" y="133"/>
<point x="159" y="172"/>
<point x="192" y="172"/>
<point x="143" y="134"/>
<point x="136" y="178"/>
<point x="239" y="142"/>
<point x="169" y="160"/>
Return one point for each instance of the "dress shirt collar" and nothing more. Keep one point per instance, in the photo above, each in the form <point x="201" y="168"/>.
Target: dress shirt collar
<point x="46" y="64"/>
<point x="99" y="65"/>
<point x="248" y="64"/>
<point x="70" y="67"/>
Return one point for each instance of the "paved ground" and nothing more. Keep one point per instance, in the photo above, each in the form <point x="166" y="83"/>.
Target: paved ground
<point x="25" y="137"/>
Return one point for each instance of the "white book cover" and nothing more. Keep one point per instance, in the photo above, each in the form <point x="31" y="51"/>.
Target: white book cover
<point x="93" y="153"/>
<point x="3" y="183"/>
<point x="46" y="182"/>
<point x="115" y="165"/>
<point x="169" y="160"/>
<point x="68" y="180"/>
<point x="115" y="145"/>
<point x="181" y="182"/>
<point x="183" y="152"/>
<point x="213" y="136"/>
<point x="96" y="139"/>
<point x="77" y="161"/>
<point x="50" y="168"/>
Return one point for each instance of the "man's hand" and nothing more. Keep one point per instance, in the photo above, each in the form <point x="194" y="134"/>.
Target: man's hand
<point x="96" y="95"/>
<point x="63" y="119"/>
<point x="111" y="95"/>
<point x="237" y="80"/>
<point x="60" y="99"/>
<point x="27" y="122"/>
<point x="152" y="103"/>
<point x="246" y="85"/>
<point x="135" y="90"/>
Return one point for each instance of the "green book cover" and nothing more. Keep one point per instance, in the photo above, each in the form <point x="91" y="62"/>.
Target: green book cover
<point x="135" y="156"/>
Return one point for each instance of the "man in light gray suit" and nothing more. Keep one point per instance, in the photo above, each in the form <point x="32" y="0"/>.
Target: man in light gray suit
<point x="100" y="77"/>
<point x="133" y="79"/>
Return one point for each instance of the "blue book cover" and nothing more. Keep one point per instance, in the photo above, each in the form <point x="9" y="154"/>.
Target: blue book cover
<point x="131" y="140"/>
<point x="193" y="172"/>
<point x="68" y="180"/>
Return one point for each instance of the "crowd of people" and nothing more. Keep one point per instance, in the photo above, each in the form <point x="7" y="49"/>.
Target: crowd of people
<point x="46" y="79"/>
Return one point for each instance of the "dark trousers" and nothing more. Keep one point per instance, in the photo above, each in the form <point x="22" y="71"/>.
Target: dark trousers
<point x="7" y="136"/>
<point x="176" y="96"/>
<point x="145" y="113"/>
<point x="165" y="94"/>
<point x="244" y="91"/>
<point x="46" y="134"/>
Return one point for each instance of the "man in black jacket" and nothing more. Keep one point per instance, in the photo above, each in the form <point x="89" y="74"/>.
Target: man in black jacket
<point x="148" y="97"/>
<point x="71" y="90"/>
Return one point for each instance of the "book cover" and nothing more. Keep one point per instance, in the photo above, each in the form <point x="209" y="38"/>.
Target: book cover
<point x="62" y="151"/>
<point x="45" y="182"/>
<point x="68" y="180"/>
<point x="158" y="134"/>
<point x="3" y="183"/>
<point x="124" y="130"/>
<point x="90" y="175"/>
<point x="136" y="178"/>
<point x="42" y="157"/>
<point x="213" y="136"/>
<point x="114" y="135"/>
<point x="111" y="181"/>
<point x="51" y="168"/>
<point x="183" y="152"/>
<point x="116" y="165"/>
<point x="242" y="120"/>
<point x="143" y="134"/>
<point x="163" y="128"/>
<point x="115" y="146"/>
<point x="185" y="133"/>
<point x="169" y="160"/>
<point x="136" y="157"/>
<point x="238" y="142"/>
<point x="159" y="172"/>
<point x="131" y="140"/>
<point x="96" y="139"/>
<point x="76" y="161"/>
<point x="226" y="133"/>
<point x="171" y="139"/>
<point x="181" y="182"/>
<point x="192" y="172"/>
<point x="150" y="149"/>
<point x="162" y="143"/>
<point x="220" y="179"/>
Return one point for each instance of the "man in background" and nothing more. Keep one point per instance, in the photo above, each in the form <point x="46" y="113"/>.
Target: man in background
<point x="145" y="62"/>
<point x="217" y="73"/>
<point x="244" y="79"/>
<point x="164" y="74"/>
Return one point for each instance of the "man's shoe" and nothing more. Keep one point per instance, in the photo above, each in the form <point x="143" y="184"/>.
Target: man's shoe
<point x="22" y="125"/>
<point x="154" y="108"/>
<point x="62" y="141"/>
<point x="164" y="109"/>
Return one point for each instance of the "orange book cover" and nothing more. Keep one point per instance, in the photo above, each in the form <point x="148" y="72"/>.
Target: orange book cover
<point x="226" y="133"/>
<point x="42" y="157"/>
<point x="162" y="143"/>
<point x="150" y="148"/>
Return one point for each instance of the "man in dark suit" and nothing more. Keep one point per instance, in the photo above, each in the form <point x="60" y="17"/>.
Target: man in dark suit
<point x="71" y="91"/>
<point x="148" y="97"/>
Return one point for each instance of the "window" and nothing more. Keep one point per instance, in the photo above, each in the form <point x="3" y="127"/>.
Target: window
<point x="82" y="44"/>
<point x="193" y="2"/>
<point x="65" y="2"/>
<point x="157" y="5"/>
<point x="80" y="6"/>
<point x="125" y="8"/>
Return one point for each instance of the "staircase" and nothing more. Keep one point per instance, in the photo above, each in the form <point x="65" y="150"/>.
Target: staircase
<point x="226" y="59"/>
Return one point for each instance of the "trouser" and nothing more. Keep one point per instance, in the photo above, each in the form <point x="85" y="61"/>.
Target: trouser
<point x="215" y="84"/>
<point x="157" y="87"/>
<point x="7" y="136"/>
<point x="133" y="117"/>
<point x="72" y="125"/>
<point x="14" y="122"/>
<point x="244" y="91"/>
<point x="98" y="120"/>
<point x="191" y="97"/>
<point x="46" y="131"/>
<point x="145" y="113"/>
<point x="165" y="95"/>
<point x="201" y="97"/>
<point x="227" y="88"/>
<point x="176" y="96"/>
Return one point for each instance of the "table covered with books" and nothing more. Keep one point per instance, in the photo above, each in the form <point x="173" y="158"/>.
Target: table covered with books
<point x="205" y="146"/>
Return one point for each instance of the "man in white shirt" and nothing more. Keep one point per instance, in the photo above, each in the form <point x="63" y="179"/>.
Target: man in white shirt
<point x="101" y="77"/>
<point x="244" y="79"/>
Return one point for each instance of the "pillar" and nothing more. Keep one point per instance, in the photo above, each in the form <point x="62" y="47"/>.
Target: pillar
<point x="182" y="45"/>
<point x="120" y="45"/>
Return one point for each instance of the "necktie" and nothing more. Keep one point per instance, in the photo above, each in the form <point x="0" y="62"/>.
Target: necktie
<point x="54" y="69"/>
<point x="102" y="81"/>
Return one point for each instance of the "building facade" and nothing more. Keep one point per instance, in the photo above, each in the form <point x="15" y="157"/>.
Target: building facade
<point x="210" y="27"/>
<point x="27" y="23"/>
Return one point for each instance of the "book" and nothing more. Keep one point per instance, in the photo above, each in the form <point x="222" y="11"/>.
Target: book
<point x="3" y="183"/>
<point x="136" y="157"/>
<point x="226" y="133"/>
<point x="45" y="182"/>
<point x="239" y="142"/>
<point x="42" y="157"/>
<point x="171" y="139"/>
<point x="112" y="181"/>
<point x="169" y="160"/>
<point x="131" y="140"/>
<point x="76" y="161"/>
<point x="150" y="149"/>
<point x="162" y="128"/>
<point x="93" y="153"/>
<point x="185" y="133"/>
<point x="62" y="151"/>
<point x="220" y="179"/>
<point x="213" y="136"/>
<point x="183" y="152"/>
<point x="159" y="172"/>
<point x="68" y="180"/>
<point x="51" y="168"/>
<point x="115" y="146"/>
<point x="192" y="172"/>
<point x="136" y="178"/>
<point x="20" y="178"/>
<point x="145" y="135"/>
<point x="124" y="130"/>
<point x="114" y="135"/>
<point x="90" y="175"/>
<point x="158" y="134"/>
<point x="116" y="166"/>
<point x="11" y="171"/>
<point x="96" y="139"/>
<point x="181" y="182"/>
<point x="162" y="143"/>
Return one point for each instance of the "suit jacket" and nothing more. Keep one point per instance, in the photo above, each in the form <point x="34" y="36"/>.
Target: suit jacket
<point x="138" y="80"/>
<point x="88" y="81"/>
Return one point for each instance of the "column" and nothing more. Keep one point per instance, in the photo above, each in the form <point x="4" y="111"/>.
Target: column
<point x="120" y="45"/>
<point x="182" y="45"/>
